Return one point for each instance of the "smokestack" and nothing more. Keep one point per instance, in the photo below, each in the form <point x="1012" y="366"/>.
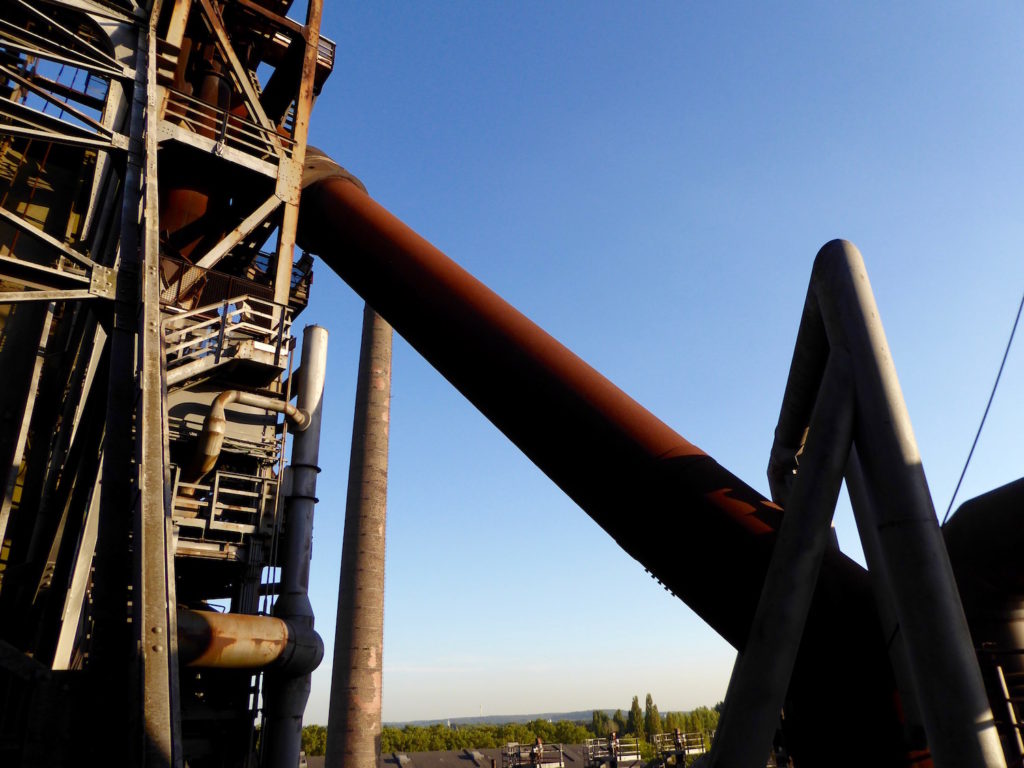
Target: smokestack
<point x="353" y="725"/>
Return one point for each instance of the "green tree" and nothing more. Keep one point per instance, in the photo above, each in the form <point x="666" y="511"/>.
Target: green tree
<point x="568" y="732"/>
<point x="652" y="720"/>
<point x="635" y="720"/>
<point x="314" y="739"/>
<point x="600" y="723"/>
<point x="619" y="721"/>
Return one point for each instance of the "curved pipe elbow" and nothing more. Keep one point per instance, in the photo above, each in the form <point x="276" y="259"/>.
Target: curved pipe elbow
<point x="211" y="439"/>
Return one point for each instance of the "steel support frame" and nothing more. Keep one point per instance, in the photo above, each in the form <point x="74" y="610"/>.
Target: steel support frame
<point x="907" y="559"/>
<point x="141" y="588"/>
<point x="760" y="678"/>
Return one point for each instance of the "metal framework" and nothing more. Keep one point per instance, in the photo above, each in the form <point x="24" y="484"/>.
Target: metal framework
<point x="150" y="174"/>
<point x="155" y="539"/>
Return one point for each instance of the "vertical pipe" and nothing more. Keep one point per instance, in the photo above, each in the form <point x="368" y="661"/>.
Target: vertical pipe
<point x="285" y="694"/>
<point x="354" y="724"/>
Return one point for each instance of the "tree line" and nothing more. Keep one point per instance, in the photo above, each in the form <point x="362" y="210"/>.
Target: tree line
<point x="643" y="723"/>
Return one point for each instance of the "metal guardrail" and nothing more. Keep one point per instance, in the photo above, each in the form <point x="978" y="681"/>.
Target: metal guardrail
<point x="623" y="752"/>
<point x="686" y="744"/>
<point x="515" y="754"/>
<point x="301" y="278"/>
<point x="200" y="339"/>
<point x="227" y="508"/>
<point x="187" y="286"/>
<point x="227" y="128"/>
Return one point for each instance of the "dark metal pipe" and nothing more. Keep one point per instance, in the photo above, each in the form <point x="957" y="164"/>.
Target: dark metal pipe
<point x="286" y="691"/>
<point x="644" y="484"/>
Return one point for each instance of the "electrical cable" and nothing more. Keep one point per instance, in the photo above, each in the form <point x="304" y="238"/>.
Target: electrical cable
<point x="995" y="385"/>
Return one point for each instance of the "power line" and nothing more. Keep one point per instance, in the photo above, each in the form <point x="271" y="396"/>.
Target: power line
<point x="995" y="385"/>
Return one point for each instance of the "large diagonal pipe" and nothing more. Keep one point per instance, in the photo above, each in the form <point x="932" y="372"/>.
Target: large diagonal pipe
<point x="645" y="485"/>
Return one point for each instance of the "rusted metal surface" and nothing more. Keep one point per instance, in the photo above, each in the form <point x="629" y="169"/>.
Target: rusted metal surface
<point x="354" y="722"/>
<point x="229" y="640"/>
<point x="630" y="472"/>
<point x="289" y="190"/>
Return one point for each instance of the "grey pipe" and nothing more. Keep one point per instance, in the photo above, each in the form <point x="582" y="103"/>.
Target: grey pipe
<point x="285" y="694"/>
<point x="899" y="526"/>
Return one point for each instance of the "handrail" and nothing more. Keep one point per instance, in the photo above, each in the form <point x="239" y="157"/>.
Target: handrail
<point x="198" y="508"/>
<point x="228" y="127"/>
<point x="690" y="743"/>
<point x="596" y="751"/>
<point x="515" y="754"/>
<point x="219" y="326"/>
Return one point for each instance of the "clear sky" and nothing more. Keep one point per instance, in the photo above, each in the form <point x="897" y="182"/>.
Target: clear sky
<point x="650" y="182"/>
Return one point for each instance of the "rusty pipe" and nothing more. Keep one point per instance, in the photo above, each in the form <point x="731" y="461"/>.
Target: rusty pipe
<point x="229" y="640"/>
<point x="699" y="529"/>
<point x="213" y="640"/>
<point x="211" y="439"/>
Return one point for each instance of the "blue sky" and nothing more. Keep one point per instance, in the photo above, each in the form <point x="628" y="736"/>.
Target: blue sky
<point x="650" y="183"/>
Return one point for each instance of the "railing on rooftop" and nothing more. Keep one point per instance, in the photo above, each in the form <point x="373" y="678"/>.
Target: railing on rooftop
<point x="685" y="744"/>
<point x="625" y="751"/>
<point x="515" y="754"/>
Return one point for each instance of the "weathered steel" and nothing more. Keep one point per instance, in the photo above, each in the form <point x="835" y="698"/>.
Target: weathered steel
<point x="290" y="191"/>
<point x="354" y="720"/>
<point x="28" y="405"/>
<point x="229" y="640"/>
<point x="154" y="577"/>
<point x="239" y="233"/>
<point x="630" y="472"/>
<point x="239" y="76"/>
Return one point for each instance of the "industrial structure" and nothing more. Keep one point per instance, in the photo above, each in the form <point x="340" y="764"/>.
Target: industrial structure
<point x="159" y="435"/>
